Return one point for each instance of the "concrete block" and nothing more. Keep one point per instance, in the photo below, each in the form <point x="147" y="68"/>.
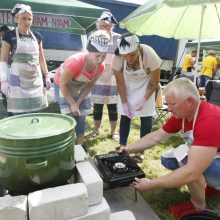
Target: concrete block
<point x="58" y="203"/>
<point x="122" y="215"/>
<point x="13" y="207"/>
<point x="93" y="182"/>
<point x="97" y="212"/>
<point x="79" y="153"/>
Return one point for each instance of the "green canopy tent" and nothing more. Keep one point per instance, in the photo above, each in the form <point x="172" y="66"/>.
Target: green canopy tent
<point x="70" y="16"/>
<point x="205" y="45"/>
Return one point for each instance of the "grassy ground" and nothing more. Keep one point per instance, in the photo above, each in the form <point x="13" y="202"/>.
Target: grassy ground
<point x="159" y="200"/>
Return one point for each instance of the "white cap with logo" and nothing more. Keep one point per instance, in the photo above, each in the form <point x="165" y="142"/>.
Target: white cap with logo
<point x="128" y="44"/>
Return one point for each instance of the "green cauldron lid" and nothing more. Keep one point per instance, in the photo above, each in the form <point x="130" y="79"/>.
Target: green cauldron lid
<point x="35" y="125"/>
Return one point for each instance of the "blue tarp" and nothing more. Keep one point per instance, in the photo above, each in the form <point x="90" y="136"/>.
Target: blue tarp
<point x="60" y="41"/>
<point x="166" y="48"/>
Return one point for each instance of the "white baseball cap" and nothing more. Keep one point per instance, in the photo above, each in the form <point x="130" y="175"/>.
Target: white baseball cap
<point x="128" y="44"/>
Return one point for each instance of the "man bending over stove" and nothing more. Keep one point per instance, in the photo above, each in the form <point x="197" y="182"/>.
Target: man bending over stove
<point x="195" y="163"/>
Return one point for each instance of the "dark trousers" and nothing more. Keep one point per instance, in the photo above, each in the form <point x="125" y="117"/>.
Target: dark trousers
<point x="98" y="112"/>
<point x="125" y="126"/>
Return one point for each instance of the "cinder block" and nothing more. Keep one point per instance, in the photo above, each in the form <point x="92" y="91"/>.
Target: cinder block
<point x="13" y="207"/>
<point x="97" y="212"/>
<point x="79" y="153"/>
<point x="58" y="203"/>
<point x="123" y="215"/>
<point x="93" y="182"/>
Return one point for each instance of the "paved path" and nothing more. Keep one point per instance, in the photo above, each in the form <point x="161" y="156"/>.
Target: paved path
<point x="123" y="198"/>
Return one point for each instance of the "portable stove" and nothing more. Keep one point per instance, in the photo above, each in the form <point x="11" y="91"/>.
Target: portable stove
<point x="117" y="169"/>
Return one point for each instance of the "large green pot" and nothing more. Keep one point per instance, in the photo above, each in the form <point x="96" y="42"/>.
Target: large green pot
<point x="36" y="151"/>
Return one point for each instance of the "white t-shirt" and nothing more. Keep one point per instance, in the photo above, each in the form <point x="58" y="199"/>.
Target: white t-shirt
<point x="151" y="60"/>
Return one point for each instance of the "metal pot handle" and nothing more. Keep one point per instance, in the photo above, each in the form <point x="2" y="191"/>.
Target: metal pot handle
<point x="34" y="120"/>
<point x="33" y="165"/>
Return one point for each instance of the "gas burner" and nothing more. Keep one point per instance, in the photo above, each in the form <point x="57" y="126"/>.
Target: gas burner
<point x="117" y="168"/>
<point x="120" y="167"/>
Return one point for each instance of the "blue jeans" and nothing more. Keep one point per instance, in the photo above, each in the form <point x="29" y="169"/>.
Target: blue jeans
<point x="80" y="124"/>
<point x="212" y="173"/>
<point x="56" y="91"/>
<point x="125" y="126"/>
<point x="203" y="80"/>
<point x="80" y="120"/>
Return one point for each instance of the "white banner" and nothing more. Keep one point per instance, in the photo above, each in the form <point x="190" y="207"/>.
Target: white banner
<point x="39" y="20"/>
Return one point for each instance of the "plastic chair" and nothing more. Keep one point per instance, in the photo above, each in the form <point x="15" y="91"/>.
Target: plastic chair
<point x="160" y="107"/>
<point x="212" y="92"/>
<point x="161" y="113"/>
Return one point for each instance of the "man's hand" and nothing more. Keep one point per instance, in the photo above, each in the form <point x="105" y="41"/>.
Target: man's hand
<point x="48" y="82"/>
<point x="5" y="88"/>
<point x="143" y="184"/>
<point x="127" y="110"/>
<point x="123" y="150"/>
<point x="141" y="103"/>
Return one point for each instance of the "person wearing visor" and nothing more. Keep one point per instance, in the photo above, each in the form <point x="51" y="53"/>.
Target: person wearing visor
<point x="105" y="90"/>
<point x="22" y="50"/>
<point x="75" y="78"/>
<point x="137" y="72"/>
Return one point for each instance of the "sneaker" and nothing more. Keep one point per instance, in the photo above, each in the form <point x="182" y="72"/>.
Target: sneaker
<point x="93" y="134"/>
<point x="85" y="147"/>
<point x="115" y="136"/>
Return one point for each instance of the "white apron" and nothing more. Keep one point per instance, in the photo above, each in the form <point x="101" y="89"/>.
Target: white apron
<point x="27" y="92"/>
<point x="105" y="90"/>
<point x="181" y="151"/>
<point x="136" y="83"/>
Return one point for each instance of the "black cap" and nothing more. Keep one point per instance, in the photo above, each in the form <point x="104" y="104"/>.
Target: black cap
<point x="4" y="28"/>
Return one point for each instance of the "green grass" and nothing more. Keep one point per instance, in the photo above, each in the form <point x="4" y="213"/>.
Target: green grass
<point x="160" y="199"/>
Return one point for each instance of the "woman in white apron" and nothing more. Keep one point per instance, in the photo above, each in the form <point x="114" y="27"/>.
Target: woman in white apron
<point x="75" y="78"/>
<point x="25" y="89"/>
<point x="137" y="73"/>
<point x="105" y="90"/>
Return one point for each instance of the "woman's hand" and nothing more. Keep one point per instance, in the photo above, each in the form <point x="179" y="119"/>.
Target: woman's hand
<point x="127" y="110"/>
<point x="140" y="104"/>
<point x="48" y="82"/>
<point x="5" y="88"/>
<point x="75" y="109"/>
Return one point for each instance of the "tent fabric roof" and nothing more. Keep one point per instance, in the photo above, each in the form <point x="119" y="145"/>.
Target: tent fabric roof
<point x="83" y="16"/>
<point x="205" y="45"/>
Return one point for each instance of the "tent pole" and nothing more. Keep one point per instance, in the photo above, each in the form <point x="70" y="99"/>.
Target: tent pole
<point x="199" y="41"/>
<point x="84" y="41"/>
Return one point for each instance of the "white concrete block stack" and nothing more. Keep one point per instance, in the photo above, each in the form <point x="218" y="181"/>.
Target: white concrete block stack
<point x="58" y="203"/>
<point x="93" y="182"/>
<point x="13" y="208"/>
<point x="76" y="201"/>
